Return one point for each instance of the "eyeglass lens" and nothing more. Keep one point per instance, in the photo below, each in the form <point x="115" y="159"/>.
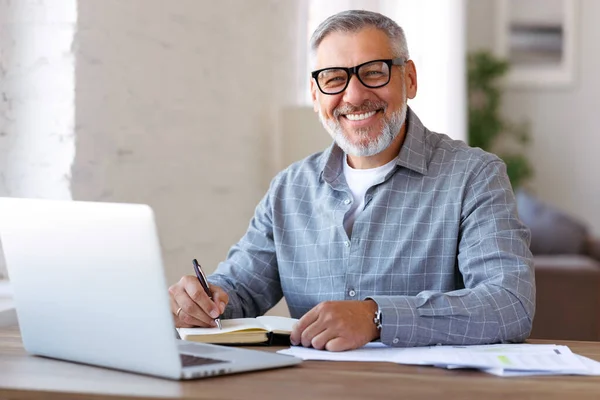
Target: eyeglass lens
<point x="372" y="75"/>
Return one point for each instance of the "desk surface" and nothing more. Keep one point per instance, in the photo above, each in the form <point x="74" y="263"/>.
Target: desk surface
<point x="26" y="377"/>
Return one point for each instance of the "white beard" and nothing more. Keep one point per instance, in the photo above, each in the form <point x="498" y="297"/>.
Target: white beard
<point x="391" y="129"/>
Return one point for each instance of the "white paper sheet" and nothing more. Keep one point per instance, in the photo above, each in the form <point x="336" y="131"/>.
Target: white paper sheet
<point x="509" y="357"/>
<point x="593" y="369"/>
<point x="500" y="359"/>
<point x="372" y="352"/>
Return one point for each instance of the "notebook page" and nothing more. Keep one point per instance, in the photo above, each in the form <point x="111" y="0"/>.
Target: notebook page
<point x="228" y="325"/>
<point x="278" y="324"/>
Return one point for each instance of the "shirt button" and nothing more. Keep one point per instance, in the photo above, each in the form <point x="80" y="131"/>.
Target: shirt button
<point x="347" y="201"/>
<point x="395" y="341"/>
<point x="347" y="243"/>
<point x="352" y="293"/>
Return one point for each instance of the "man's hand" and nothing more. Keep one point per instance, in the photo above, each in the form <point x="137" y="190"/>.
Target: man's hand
<point x="337" y="326"/>
<point x="197" y="309"/>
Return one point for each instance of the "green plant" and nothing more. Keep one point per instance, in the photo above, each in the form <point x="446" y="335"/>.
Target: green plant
<point x="488" y="129"/>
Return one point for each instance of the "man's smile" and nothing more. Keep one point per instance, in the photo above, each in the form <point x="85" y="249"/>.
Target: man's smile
<point x="360" y="119"/>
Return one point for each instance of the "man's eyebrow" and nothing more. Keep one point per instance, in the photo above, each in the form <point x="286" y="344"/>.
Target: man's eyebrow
<point x="328" y="70"/>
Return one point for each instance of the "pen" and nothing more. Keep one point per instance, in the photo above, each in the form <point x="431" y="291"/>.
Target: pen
<point x="204" y="283"/>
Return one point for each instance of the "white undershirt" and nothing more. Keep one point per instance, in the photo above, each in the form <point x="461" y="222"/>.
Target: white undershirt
<point x="359" y="181"/>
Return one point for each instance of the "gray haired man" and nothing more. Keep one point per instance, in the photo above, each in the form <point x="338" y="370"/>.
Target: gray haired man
<point x="394" y="232"/>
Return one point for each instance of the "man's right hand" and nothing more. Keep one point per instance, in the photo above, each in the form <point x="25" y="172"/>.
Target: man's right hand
<point x="197" y="309"/>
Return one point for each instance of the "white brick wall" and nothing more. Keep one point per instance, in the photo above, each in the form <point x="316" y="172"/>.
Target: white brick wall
<point x="36" y="98"/>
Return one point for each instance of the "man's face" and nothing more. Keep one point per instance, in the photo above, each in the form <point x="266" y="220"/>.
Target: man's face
<point x="362" y="121"/>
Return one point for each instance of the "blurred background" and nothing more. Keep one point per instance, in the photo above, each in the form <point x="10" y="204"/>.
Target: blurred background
<point x="192" y="106"/>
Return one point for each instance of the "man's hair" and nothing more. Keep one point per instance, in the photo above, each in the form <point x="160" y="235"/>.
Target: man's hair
<point x="352" y="21"/>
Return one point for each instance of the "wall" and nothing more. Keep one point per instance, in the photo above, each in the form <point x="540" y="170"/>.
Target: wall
<point x="37" y="144"/>
<point x="176" y="107"/>
<point x="36" y="97"/>
<point x="564" y="121"/>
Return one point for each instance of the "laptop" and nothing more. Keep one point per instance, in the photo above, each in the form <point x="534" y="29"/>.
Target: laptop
<point x="89" y="287"/>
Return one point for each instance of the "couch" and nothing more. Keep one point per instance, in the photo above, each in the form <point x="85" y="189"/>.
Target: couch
<point x="567" y="272"/>
<point x="568" y="295"/>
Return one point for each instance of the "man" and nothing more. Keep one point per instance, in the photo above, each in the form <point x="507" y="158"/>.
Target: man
<point x="394" y="232"/>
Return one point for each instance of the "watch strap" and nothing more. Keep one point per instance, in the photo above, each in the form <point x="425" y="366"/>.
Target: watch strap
<point x="377" y="320"/>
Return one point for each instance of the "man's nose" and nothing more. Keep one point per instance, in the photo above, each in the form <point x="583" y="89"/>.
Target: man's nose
<point x="356" y="93"/>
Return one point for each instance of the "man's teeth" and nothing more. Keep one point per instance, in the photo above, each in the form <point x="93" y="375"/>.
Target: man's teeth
<point x="359" y="117"/>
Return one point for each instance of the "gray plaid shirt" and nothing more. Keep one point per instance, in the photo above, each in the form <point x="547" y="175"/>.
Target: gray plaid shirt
<point x="438" y="245"/>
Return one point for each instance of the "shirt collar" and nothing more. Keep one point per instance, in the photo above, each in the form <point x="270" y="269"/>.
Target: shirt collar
<point x="414" y="153"/>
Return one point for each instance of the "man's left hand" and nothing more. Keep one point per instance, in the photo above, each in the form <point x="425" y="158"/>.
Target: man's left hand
<point x="337" y="326"/>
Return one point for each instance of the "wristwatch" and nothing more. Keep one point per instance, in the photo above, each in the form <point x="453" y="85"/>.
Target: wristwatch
<point x="378" y="321"/>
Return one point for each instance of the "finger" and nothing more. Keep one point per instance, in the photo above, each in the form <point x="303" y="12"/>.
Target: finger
<point x="194" y="313"/>
<point x="339" y="344"/>
<point x="220" y="297"/>
<point x="311" y="331"/>
<point x="301" y="325"/>
<point x="196" y="292"/>
<point x="320" y="340"/>
<point x="176" y="314"/>
<point x="190" y="311"/>
<point x="184" y="319"/>
<point x="172" y="292"/>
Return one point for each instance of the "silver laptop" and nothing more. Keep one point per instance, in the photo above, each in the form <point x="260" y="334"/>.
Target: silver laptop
<point x="89" y="287"/>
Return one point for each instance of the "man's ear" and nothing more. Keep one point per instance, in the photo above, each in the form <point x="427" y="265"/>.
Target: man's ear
<point x="313" y="95"/>
<point x="410" y="77"/>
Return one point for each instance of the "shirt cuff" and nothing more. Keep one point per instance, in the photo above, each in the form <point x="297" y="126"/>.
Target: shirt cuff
<point x="399" y="319"/>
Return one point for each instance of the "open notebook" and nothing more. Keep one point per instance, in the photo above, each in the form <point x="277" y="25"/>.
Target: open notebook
<point x="241" y="331"/>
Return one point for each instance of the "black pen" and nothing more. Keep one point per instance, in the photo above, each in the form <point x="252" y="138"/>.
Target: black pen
<point x="204" y="283"/>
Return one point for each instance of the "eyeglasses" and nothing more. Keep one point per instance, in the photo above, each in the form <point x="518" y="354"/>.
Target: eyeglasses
<point x="373" y="74"/>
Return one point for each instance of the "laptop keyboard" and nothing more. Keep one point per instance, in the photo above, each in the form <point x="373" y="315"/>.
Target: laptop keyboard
<point x="192" y="361"/>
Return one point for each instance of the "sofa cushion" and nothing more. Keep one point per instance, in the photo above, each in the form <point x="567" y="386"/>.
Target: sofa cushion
<point x="552" y="231"/>
<point x="566" y="263"/>
<point x="567" y="298"/>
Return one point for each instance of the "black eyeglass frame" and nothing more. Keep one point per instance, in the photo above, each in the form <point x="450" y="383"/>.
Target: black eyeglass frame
<point x="354" y="71"/>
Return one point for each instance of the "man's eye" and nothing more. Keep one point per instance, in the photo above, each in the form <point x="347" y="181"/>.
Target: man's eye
<point x="335" y="79"/>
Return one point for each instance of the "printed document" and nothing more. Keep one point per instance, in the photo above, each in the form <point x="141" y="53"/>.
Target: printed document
<point x="498" y="359"/>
